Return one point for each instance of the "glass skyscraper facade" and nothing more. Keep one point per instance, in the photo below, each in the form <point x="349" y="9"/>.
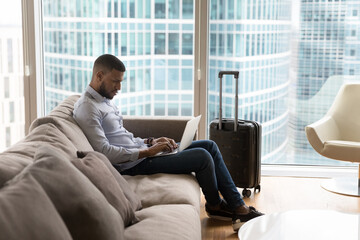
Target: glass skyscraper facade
<point x="253" y="37"/>
<point x="328" y="45"/>
<point x="154" y="39"/>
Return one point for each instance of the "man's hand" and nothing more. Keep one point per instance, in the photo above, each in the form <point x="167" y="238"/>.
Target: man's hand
<point x="162" y="144"/>
<point x="165" y="139"/>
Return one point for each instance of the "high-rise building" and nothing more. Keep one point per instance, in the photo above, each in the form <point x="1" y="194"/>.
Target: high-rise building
<point x="253" y="37"/>
<point x="154" y="39"/>
<point x="12" y="119"/>
<point x="327" y="46"/>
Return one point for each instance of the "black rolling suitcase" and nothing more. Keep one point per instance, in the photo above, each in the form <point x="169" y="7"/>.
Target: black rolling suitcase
<point x="240" y="144"/>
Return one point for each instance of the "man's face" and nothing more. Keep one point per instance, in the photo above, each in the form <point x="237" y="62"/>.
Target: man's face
<point x="111" y="83"/>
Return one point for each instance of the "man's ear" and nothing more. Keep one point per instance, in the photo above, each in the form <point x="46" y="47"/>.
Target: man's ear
<point x="99" y="75"/>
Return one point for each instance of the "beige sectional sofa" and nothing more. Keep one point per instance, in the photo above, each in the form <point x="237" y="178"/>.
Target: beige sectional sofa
<point x="54" y="186"/>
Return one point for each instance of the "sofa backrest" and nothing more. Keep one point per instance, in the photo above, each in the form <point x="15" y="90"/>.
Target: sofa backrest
<point x="58" y="129"/>
<point x="62" y="117"/>
<point x="20" y="155"/>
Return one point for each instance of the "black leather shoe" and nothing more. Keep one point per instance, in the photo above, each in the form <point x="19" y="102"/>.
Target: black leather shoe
<point x="224" y="213"/>
<point x="239" y="219"/>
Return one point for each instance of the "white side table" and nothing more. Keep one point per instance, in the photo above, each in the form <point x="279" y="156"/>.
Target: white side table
<point x="303" y="225"/>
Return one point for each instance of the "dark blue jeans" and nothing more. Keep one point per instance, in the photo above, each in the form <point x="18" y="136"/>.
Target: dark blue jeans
<point x="202" y="157"/>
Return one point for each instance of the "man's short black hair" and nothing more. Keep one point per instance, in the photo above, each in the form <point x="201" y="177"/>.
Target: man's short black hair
<point x="110" y="62"/>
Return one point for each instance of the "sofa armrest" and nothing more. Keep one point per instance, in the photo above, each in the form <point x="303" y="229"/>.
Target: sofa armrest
<point x="145" y="126"/>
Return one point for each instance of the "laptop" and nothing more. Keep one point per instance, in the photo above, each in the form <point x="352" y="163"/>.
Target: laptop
<point x="187" y="137"/>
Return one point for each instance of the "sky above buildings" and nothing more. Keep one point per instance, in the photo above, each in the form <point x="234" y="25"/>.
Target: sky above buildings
<point x="10" y="15"/>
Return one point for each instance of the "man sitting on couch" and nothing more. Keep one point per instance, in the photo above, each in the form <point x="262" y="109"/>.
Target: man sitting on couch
<point x="102" y="124"/>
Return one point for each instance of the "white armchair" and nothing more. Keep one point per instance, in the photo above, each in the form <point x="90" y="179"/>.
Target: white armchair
<point x="337" y="136"/>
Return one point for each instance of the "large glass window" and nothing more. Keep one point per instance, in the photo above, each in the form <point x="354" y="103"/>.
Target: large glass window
<point x="285" y="51"/>
<point x="148" y="36"/>
<point x="12" y="119"/>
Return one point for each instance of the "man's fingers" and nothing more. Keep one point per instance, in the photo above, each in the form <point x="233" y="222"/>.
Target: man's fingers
<point x="166" y="144"/>
<point x="168" y="147"/>
<point x="173" y="143"/>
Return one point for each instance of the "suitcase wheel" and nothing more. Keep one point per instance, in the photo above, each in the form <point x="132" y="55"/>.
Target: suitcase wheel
<point x="246" y="192"/>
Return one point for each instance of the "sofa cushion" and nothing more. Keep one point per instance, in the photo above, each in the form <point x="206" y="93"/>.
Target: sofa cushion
<point x="124" y="185"/>
<point x="85" y="211"/>
<point x="180" y="221"/>
<point x="27" y="212"/>
<point x="50" y="134"/>
<point x="99" y="174"/>
<point x="18" y="156"/>
<point x="71" y="130"/>
<point x="61" y="117"/>
<point x="166" y="189"/>
<point x="12" y="164"/>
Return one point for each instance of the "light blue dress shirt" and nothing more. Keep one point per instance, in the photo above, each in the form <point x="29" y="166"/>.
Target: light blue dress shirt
<point x="102" y="124"/>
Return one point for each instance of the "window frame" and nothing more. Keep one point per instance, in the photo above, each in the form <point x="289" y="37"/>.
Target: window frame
<point x="32" y="59"/>
<point x="34" y="72"/>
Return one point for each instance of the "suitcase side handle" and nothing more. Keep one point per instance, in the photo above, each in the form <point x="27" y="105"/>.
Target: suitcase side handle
<point x="236" y="76"/>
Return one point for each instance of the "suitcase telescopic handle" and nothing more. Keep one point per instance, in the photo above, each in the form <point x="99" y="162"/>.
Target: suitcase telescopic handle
<point x="236" y="76"/>
<point x="235" y="73"/>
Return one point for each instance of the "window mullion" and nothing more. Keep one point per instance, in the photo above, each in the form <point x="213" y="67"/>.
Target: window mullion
<point x="200" y="64"/>
<point x="33" y="74"/>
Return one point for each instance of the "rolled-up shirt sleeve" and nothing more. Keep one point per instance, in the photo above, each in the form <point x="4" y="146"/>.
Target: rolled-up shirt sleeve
<point x="89" y="118"/>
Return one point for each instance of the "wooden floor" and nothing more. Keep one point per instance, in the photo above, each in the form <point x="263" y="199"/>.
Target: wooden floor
<point x="280" y="194"/>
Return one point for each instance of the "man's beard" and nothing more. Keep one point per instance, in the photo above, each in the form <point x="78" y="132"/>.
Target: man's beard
<point x="103" y="92"/>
